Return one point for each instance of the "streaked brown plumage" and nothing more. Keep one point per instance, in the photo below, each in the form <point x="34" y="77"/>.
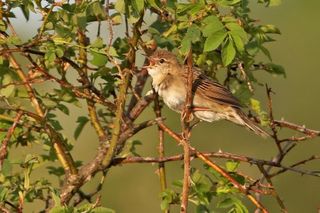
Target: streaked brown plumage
<point x="211" y="101"/>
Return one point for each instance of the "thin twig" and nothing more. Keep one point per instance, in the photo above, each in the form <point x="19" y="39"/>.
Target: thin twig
<point x="313" y="157"/>
<point x="4" y="144"/>
<point x="244" y="74"/>
<point x="161" y="165"/>
<point x="224" y="155"/>
<point x="268" y="178"/>
<point x="300" y="128"/>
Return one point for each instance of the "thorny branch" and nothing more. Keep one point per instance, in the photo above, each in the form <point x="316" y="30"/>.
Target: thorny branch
<point x="185" y="123"/>
<point x="161" y="165"/>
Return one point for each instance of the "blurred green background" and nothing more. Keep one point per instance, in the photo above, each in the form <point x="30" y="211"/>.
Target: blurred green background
<point x="135" y="188"/>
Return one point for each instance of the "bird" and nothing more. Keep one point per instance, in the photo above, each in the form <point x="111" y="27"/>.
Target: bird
<point x="211" y="100"/>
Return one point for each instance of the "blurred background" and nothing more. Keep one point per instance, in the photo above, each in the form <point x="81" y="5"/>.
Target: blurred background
<point x="135" y="188"/>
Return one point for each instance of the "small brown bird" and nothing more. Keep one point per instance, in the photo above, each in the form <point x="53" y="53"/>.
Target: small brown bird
<point x="211" y="101"/>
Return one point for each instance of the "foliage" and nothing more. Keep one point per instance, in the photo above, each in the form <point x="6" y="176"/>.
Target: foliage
<point x="67" y="67"/>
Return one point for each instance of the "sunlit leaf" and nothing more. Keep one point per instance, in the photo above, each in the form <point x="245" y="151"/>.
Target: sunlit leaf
<point x="232" y="165"/>
<point x="212" y="25"/>
<point x="138" y="5"/>
<point x="98" y="59"/>
<point x="228" y="52"/>
<point x="269" y="28"/>
<point x="214" y="40"/>
<point x="7" y="86"/>
<point x="120" y="6"/>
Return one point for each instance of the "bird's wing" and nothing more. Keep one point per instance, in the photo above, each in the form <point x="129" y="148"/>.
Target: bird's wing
<point x="211" y="90"/>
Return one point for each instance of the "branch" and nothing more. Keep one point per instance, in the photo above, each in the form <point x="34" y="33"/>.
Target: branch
<point x="161" y="165"/>
<point x="268" y="178"/>
<point x="185" y="123"/>
<point x="4" y="145"/>
<point x="224" y="155"/>
<point x="300" y="128"/>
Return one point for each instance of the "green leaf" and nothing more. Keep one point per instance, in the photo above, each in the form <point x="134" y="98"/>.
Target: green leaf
<point x="164" y="205"/>
<point x="102" y="210"/>
<point x="266" y="52"/>
<point x="15" y="40"/>
<point x="50" y="56"/>
<point x="237" y="41"/>
<point x="202" y="209"/>
<point x="227" y="3"/>
<point x="99" y="59"/>
<point x="168" y="196"/>
<point x="120" y="6"/>
<point x="3" y="192"/>
<point x="56" y="125"/>
<point x="185" y="45"/>
<point x="212" y="25"/>
<point x="8" y="89"/>
<point x="275" y="69"/>
<point x="237" y="29"/>
<point x="171" y="30"/>
<point x="153" y="4"/>
<point x="214" y="40"/>
<point x="55" y="197"/>
<point x="240" y="207"/>
<point x="98" y="43"/>
<point x="49" y="103"/>
<point x="113" y="52"/>
<point x="82" y="121"/>
<point x="192" y="35"/>
<point x="116" y="18"/>
<point x="274" y="3"/>
<point x="6" y="167"/>
<point x="228" y="53"/>
<point x="138" y="5"/>
<point x="98" y="9"/>
<point x="3" y="26"/>
<point x="25" y="11"/>
<point x="80" y="20"/>
<point x="269" y="28"/>
<point x="61" y="209"/>
<point x="231" y="166"/>
<point x="63" y="109"/>
<point x="226" y="203"/>
<point x="59" y="52"/>
<point x="255" y="105"/>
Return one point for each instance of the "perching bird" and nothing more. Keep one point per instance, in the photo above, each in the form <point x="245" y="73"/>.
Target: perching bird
<point x="211" y="100"/>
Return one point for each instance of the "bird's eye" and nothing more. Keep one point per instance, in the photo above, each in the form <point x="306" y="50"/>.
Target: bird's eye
<point x="161" y="61"/>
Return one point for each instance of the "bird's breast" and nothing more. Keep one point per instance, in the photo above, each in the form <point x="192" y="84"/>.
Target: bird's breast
<point x="172" y="98"/>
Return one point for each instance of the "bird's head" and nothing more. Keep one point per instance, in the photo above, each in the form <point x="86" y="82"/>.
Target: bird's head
<point x="162" y="63"/>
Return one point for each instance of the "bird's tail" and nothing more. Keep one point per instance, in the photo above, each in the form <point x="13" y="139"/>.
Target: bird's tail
<point x="249" y="124"/>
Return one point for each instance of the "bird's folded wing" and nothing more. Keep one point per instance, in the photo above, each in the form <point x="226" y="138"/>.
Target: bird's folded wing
<point x="212" y="90"/>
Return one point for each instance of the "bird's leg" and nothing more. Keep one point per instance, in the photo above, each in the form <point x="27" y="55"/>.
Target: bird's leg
<point x="183" y="115"/>
<point x="194" y="109"/>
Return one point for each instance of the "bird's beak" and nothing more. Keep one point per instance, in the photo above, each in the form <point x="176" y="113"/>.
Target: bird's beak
<point x="151" y="63"/>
